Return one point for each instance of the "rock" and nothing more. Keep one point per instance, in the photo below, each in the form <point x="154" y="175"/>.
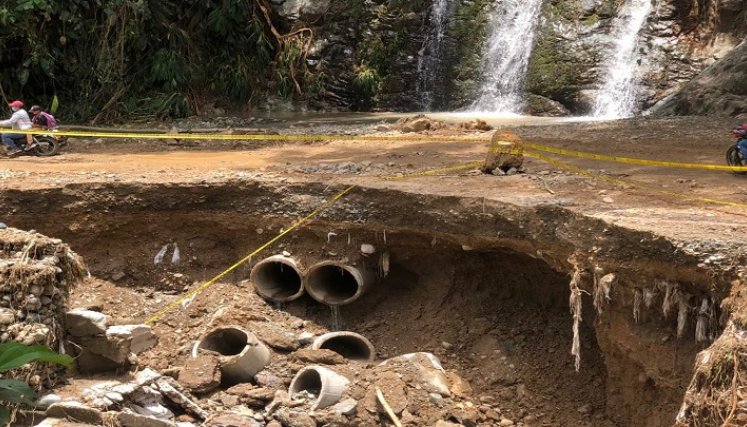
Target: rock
<point x="258" y="397"/>
<point x="267" y="379"/>
<point x="505" y="422"/>
<point x="171" y="390"/>
<point x="75" y="411"/>
<point x="231" y="419"/>
<point x="718" y="91"/>
<point x="278" y="340"/>
<point x="346" y="407"/>
<point x="201" y="374"/>
<point x="47" y="400"/>
<point x="320" y="356"/>
<point x="458" y="386"/>
<point x="417" y="125"/>
<point x="81" y="323"/>
<point x="467" y="415"/>
<point x="120" y="341"/>
<point x="229" y="400"/>
<point x="305" y="338"/>
<point x="442" y="423"/>
<point x="127" y="419"/>
<point x="368" y="249"/>
<point x="585" y="409"/>
<point x="393" y="388"/>
<point x="7" y="316"/>
<point x="290" y="418"/>
<point x="274" y="423"/>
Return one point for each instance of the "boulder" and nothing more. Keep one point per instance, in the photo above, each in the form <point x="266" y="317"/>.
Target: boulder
<point x="81" y="323"/>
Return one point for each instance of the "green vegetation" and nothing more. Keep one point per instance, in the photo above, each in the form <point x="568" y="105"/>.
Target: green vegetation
<point x="366" y="86"/>
<point x="550" y="74"/>
<point x="14" y="355"/>
<point x="131" y="59"/>
<point x="470" y="31"/>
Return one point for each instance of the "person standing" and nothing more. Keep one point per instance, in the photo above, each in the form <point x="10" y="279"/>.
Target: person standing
<point x="18" y="121"/>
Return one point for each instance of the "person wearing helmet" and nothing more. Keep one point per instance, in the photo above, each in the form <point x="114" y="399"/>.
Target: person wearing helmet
<point x="19" y="121"/>
<point x="40" y="119"/>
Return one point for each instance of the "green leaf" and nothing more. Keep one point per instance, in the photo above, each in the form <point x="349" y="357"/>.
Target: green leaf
<point x="14" y="391"/>
<point x="4" y="416"/>
<point x="55" y="105"/>
<point x="15" y="355"/>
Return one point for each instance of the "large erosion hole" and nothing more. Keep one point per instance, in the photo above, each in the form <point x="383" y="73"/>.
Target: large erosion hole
<point x="499" y="317"/>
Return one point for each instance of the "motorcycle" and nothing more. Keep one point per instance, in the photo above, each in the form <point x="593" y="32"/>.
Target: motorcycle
<point x="733" y="156"/>
<point x="43" y="145"/>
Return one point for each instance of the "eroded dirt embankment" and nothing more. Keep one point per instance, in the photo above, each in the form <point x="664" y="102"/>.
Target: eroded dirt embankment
<point x="485" y="284"/>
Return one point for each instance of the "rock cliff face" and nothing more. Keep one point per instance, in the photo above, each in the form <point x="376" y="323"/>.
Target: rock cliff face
<point x="720" y="90"/>
<point x="370" y="54"/>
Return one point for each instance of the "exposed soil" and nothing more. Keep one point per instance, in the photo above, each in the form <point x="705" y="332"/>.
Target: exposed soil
<point x="479" y="264"/>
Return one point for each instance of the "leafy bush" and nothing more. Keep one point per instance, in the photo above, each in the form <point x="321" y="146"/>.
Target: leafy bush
<point x="15" y="355"/>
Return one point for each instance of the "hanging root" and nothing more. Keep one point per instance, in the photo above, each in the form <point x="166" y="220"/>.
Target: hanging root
<point x="682" y="309"/>
<point x="575" y="305"/>
<point x="602" y="288"/>
<point x="637" y="300"/>
<point x="701" y="326"/>
<point x="671" y="296"/>
<point x="649" y="295"/>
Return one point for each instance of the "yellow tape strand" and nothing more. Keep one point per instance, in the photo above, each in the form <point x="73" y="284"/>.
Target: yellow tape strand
<point x="159" y="315"/>
<point x="627" y="184"/>
<point x="246" y="137"/>
<point x="194" y="292"/>
<point x="629" y="160"/>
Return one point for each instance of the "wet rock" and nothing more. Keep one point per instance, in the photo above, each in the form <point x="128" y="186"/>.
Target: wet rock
<point x="231" y="419"/>
<point x="127" y="419"/>
<point x="75" y="411"/>
<point x="201" y="374"/>
<point x="81" y="323"/>
<point x="317" y="356"/>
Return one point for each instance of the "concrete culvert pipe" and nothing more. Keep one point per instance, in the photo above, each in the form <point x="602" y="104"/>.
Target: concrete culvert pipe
<point x="336" y="284"/>
<point x="277" y="279"/>
<point x="241" y="354"/>
<point x="327" y="385"/>
<point x="347" y="344"/>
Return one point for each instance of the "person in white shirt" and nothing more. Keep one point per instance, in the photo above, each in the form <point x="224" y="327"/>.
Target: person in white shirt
<point x="20" y="121"/>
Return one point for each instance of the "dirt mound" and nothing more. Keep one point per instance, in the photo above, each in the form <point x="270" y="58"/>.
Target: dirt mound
<point x="424" y="124"/>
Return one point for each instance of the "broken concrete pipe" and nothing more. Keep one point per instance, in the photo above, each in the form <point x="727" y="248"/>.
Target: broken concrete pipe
<point x="335" y="284"/>
<point x="347" y="344"/>
<point x="327" y="385"/>
<point x="241" y="354"/>
<point x="278" y="279"/>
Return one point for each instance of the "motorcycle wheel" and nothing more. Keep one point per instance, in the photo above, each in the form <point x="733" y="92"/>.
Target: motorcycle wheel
<point x="46" y="146"/>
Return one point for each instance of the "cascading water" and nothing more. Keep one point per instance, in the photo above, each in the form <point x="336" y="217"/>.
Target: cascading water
<point x="618" y="94"/>
<point x="507" y="57"/>
<point x="429" y="61"/>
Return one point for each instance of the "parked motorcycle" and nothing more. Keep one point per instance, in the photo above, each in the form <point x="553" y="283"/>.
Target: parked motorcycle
<point x="733" y="156"/>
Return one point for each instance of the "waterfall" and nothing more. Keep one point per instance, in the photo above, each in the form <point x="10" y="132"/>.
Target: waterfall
<point x="429" y="59"/>
<point x="618" y="94"/>
<point x="505" y="62"/>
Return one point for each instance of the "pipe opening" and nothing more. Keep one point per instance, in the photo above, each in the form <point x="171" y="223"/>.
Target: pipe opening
<point x="277" y="279"/>
<point x="309" y="380"/>
<point x="348" y="345"/>
<point x="333" y="284"/>
<point x="226" y="341"/>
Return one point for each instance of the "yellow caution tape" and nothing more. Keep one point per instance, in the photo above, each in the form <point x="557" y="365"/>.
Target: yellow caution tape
<point x="629" y="160"/>
<point x="194" y="292"/>
<point x="628" y="184"/>
<point x="245" y="137"/>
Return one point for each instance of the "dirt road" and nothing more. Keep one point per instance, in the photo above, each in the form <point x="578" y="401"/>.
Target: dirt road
<point x="670" y="212"/>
